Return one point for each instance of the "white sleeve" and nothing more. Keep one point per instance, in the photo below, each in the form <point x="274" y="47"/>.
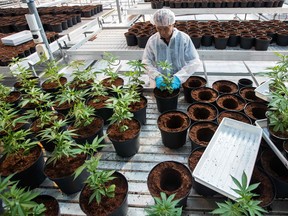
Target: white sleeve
<point x="149" y="60"/>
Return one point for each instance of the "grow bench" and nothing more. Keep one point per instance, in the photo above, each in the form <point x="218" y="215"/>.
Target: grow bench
<point x="136" y="170"/>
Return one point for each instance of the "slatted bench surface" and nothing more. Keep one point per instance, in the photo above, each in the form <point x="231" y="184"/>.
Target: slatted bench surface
<point x="136" y="170"/>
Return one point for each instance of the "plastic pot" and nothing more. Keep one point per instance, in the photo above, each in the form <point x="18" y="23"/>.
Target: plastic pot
<point x="166" y="101"/>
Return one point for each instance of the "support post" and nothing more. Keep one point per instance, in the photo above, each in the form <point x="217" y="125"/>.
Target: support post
<point x="118" y="11"/>
<point x="33" y="10"/>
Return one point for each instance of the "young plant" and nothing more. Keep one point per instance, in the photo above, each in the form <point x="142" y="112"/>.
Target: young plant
<point x="80" y="76"/>
<point x="97" y="180"/>
<point x="278" y="73"/>
<point x="19" y="201"/>
<point x="70" y="96"/>
<point x="10" y="118"/>
<point x="244" y="205"/>
<point x="37" y="98"/>
<point x="23" y="74"/>
<point x="109" y="70"/>
<point x="167" y="78"/>
<point x="16" y="142"/>
<point x="121" y="111"/>
<point x="82" y="114"/>
<point x="277" y="113"/>
<point x="52" y="72"/>
<point x="164" y="206"/>
<point x="4" y="90"/>
<point x="135" y="74"/>
<point x="98" y="90"/>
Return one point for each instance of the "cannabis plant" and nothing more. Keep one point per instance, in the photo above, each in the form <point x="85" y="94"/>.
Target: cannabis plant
<point x="10" y="118"/>
<point x="167" y="78"/>
<point x="98" y="90"/>
<point x="83" y="114"/>
<point x="18" y="201"/>
<point x="70" y="96"/>
<point x="121" y="111"/>
<point x="23" y="74"/>
<point x="80" y="75"/>
<point x="244" y="205"/>
<point x="277" y="113"/>
<point x="109" y="70"/>
<point x="135" y="74"/>
<point x="4" y="90"/>
<point x="278" y="73"/>
<point x="52" y="72"/>
<point x="16" y="142"/>
<point x="164" y="206"/>
<point x="36" y="98"/>
<point x="97" y="180"/>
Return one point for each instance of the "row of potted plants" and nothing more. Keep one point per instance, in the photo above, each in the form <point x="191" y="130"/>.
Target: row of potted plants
<point x="62" y="132"/>
<point x="156" y="4"/>
<point x="7" y="53"/>
<point x="232" y="33"/>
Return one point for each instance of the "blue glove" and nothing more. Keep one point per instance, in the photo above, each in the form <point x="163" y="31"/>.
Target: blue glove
<point x="159" y="82"/>
<point x="176" y="83"/>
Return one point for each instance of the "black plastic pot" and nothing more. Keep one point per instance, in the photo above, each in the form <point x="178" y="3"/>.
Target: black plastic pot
<point x="119" y="210"/>
<point x="195" y="156"/>
<point x="91" y="137"/>
<point x="262" y="43"/>
<point x="203" y="131"/>
<point x="170" y="180"/>
<point x="239" y="116"/>
<point x="220" y="41"/>
<point x="127" y="148"/>
<point x="207" y="39"/>
<point x="105" y="114"/>
<point x="199" y="111"/>
<point x="191" y="83"/>
<point x="277" y="171"/>
<point x="131" y="39"/>
<point x="140" y="114"/>
<point x="233" y="40"/>
<point x="55" y="210"/>
<point x="166" y="103"/>
<point x="173" y="136"/>
<point x="36" y="170"/>
<point x="258" y="110"/>
<point x="1" y="207"/>
<point x="68" y="184"/>
<point x="244" y="82"/>
<point x="204" y="95"/>
<point x="247" y="41"/>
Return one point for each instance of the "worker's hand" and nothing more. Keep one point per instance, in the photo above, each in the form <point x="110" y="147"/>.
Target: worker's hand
<point x="176" y="83"/>
<point x="159" y="82"/>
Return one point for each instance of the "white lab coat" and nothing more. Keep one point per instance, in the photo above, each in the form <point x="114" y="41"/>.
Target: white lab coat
<point x="180" y="52"/>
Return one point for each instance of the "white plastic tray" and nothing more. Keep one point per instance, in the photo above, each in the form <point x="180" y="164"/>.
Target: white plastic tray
<point x="263" y="124"/>
<point x="17" y="38"/>
<point x="262" y="91"/>
<point x="232" y="150"/>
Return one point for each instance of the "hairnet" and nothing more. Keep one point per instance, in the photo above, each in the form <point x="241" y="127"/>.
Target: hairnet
<point x="163" y="17"/>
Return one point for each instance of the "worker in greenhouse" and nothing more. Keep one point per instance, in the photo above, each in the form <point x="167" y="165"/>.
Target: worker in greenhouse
<point x="171" y="45"/>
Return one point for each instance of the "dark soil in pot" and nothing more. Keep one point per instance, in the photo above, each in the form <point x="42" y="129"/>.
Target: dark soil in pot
<point x="50" y="203"/>
<point x="202" y="112"/>
<point x="255" y="110"/>
<point x="89" y="132"/>
<point x="193" y="160"/>
<point x="107" y="206"/>
<point x="230" y="102"/>
<point x="170" y="177"/>
<point x="200" y="133"/>
<point x="191" y="83"/>
<point x="277" y="171"/>
<point x="173" y="126"/>
<point x="108" y="83"/>
<point x="266" y="189"/>
<point x="234" y="115"/>
<point x="225" y="87"/>
<point x="115" y="134"/>
<point x="49" y="86"/>
<point x="99" y="104"/>
<point x="13" y="98"/>
<point x="62" y="173"/>
<point x="24" y="165"/>
<point x="139" y="109"/>
<point x="204" y="94"/>
<point x="248" y="94"/>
